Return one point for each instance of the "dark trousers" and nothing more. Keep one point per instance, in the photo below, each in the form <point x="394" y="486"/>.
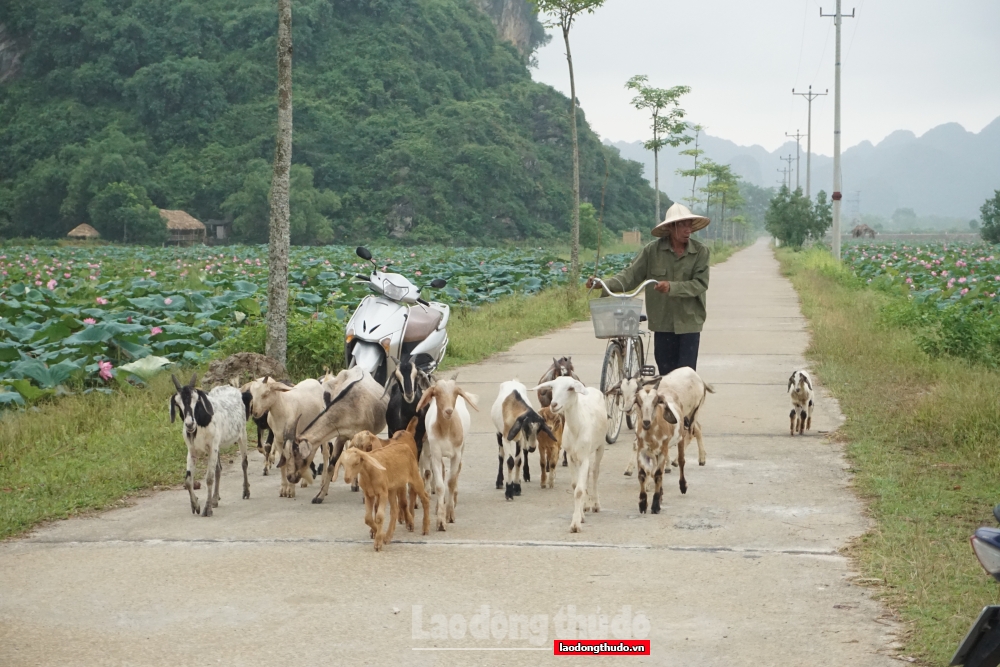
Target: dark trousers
<point x="673" y="351"/>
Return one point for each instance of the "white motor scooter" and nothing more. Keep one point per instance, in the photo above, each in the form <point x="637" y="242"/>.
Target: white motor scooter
<point x="395" y="323"/>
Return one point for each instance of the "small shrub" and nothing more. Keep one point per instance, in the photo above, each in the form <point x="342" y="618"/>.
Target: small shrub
<point x="315" y="346"/>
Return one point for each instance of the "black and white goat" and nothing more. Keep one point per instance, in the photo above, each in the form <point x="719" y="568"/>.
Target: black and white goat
<point x="406" y="387"/>
<point x="800" y="389"/>
<point x="561" y="367"/>
<point x="517" y="427"/>
<point x="211" y="421"/>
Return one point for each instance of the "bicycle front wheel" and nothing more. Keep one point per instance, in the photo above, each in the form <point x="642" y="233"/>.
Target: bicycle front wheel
<point x="633" y="368"/>
<point x="612" y="374"/>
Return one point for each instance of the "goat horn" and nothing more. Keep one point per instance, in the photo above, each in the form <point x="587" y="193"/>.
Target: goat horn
<point x="176" y="382"/>
<point x="194" y="380"/>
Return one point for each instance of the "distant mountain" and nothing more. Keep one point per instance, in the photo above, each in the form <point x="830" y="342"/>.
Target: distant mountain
<point x="948" y="171"/>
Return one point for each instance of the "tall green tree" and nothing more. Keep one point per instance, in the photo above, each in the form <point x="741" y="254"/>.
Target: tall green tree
<point x="668" y="126"/>
<point x="276" y="345"/>
<point x="698" y="170"/>
<point x="990" y="214"/>
<point x="564" y="13"/>
<point x="793" y="221"/>
<point x="724" y="189"/>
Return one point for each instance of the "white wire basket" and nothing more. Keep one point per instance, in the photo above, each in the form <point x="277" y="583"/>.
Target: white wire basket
<point x="615" y="317"/>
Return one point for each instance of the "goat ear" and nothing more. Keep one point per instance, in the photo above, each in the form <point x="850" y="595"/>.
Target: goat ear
<point x="173" y="407"/>
<point x="282" y="461"/>
<point x="791" y="381"/>
<point x="516" y="428"/>
<point x="203" y="410"/>
<point x="617" y="389"/>
<point x="469" y="398"/>
<point x="372" y="461"/>
<point x="411" y="428"/>
<point x="543" y="426"/>
<point x="176" y="382"/>
<point x="808" y="383"/>
<point x="425" y="399"/>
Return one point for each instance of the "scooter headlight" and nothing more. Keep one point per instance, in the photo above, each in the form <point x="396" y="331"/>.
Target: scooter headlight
<point x="394" y="292"/>
<point x="986" y="544"/>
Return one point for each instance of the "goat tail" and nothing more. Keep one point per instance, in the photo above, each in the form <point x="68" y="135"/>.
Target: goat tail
<point x="709" y="388"/>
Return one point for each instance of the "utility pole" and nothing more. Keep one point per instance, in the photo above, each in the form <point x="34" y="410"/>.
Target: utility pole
<point x="810" y="96"/>
<point x="784" y="171"/>
<point x="789" y="170"/>
<point x="838" y="18"/>
<point x="798" y="158"/>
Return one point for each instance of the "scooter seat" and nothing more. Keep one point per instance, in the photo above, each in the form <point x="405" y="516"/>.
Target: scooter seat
<point x="420" y="323"/>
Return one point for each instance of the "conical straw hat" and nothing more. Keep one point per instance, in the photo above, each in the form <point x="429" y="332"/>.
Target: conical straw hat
<point x="676" y="213"/>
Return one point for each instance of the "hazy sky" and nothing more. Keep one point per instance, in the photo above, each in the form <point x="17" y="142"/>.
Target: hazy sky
<point x="907" y="64"/>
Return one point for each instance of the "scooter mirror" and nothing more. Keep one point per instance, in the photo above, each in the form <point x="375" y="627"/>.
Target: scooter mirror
<point x="438" y="283"/>
<point x="363" y="252"/>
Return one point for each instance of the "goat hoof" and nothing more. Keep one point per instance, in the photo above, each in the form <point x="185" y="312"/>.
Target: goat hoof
<point x="701" y="463"/>
<point x="527" y="477"/>
<point x="317" y="501"/>
<point x="517" y="489"/>
<point x="265" y="472"/>
<point x="574" y="528"/>
<point x="684" y="487"/>
<point x="628" y="473"/>
<point x="564" y="463"/>
<point x="499" y="485"/>
<point x="355" y="488"/>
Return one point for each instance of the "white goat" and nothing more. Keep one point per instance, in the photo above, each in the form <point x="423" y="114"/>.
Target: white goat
<point x="800" y="388"/>
<point x="683" y="393"/>
<point x="583" y="439"/>
<point x="353" y="402"/>
<point x="447" y="423"/>
<point x="211" y="421"/>
<point x="518" y="426"/>
<point x="284" y="406"/>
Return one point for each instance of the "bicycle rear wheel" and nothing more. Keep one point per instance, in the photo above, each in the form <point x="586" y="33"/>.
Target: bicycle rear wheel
<point x="633" y="367"/>
<point x="613" y="373"/>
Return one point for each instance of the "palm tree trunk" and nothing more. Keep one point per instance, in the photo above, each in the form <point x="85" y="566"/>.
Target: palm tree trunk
<point x="574" y="249"/>
<point x="276" y="345"/>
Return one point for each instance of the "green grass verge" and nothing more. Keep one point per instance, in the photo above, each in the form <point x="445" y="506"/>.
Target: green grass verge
<point x="921" y="436"/>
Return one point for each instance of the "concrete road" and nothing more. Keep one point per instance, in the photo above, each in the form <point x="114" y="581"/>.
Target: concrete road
<point x="744" y="569"/>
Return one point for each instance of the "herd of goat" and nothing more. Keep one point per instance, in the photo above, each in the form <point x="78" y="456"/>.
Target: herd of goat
<point x="428" y="421"/>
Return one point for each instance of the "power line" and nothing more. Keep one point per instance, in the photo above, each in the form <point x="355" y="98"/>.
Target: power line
<point x="789" y="169"/>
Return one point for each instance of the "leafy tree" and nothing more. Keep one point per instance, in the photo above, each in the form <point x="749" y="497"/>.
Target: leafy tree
<point x="724" y="188"/>
<point x="792" y="220"/>
<point x="990" y="215"/>
<point x="668" y="125"/>
<point x="588" y="226"/>
<point x="123" y="212"/>
<point x="565" y="12"/>
<point x="698" y="170"/>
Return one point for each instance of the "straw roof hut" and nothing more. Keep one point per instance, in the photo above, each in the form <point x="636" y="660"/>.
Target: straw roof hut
<point x="84" y="232"/>
<point x="184" y="230"/>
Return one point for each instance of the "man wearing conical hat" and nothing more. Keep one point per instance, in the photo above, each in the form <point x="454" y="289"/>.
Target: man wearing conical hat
<point x="676" y="304"/>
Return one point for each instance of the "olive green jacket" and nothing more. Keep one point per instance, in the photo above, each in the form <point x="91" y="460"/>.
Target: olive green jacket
<point x="682" y="309"/>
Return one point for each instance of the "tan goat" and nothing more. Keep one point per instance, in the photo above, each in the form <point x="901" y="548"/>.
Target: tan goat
<point x="385" y="473"/>
<point x="367" y="441"/>
<point x="548" y="448"/>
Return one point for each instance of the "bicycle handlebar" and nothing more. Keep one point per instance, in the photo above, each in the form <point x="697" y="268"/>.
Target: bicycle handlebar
<point x="598" y="281"/>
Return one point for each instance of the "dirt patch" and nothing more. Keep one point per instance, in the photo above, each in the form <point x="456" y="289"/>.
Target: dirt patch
<point x="242" y="367"/>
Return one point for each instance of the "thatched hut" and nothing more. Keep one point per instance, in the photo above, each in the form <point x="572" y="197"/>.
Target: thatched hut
<point x="84" y="232"/>
<point x="184" y="229"/>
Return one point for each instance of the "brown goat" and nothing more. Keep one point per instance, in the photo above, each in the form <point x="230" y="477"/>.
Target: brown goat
<point x="384" y="473"/>
<point x="548" y="448"/>
<point x="367" y="441"/>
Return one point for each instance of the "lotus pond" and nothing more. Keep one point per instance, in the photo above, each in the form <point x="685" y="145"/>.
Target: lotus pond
<point x="72" y="317"/>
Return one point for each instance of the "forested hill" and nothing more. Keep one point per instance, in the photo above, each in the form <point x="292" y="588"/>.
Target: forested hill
<point x="413" y="120"/>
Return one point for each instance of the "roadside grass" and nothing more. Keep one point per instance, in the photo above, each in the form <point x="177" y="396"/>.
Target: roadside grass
<point x="922" y="436"/>
<point x="86" y="452"/>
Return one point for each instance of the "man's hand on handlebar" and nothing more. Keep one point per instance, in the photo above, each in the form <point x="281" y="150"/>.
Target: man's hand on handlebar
<point x="662" y="287"/>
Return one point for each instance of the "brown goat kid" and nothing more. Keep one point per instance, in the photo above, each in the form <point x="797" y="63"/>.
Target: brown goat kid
<point x="548" y="448"/>
<point x="384" y="473"/>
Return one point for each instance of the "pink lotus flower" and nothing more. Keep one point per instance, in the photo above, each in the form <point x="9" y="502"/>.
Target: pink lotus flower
<point x="38" y="283"/>
<point x="934" y="273"/>
<point x="101" y="301"/>
<point x="105" y="369"/>
<point x="167" y="301"/>
<point x="418" y="273"/>
<point x="965" y="291"/>
<point x="962" y="279"/>
<point x="155" y="330"/>
<point x="129" y="319"/>
<point x="67" y="275"/>
<point x="89" y="320"/>
<point x="564" y="269"/>
<point x="152" y="274"/>
<point x="909" y="281"/>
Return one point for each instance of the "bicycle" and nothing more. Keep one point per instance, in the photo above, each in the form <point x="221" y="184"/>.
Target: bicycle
<point x="617" y="318"/>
